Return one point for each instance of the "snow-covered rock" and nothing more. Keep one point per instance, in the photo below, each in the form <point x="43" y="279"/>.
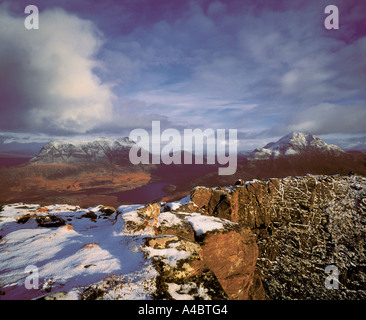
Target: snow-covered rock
<point x="134" y="252"/>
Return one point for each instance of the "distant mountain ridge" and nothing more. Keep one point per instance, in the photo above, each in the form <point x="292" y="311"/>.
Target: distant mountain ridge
<point x="116" y="151"/>
<point x="99" y="150"/>
<point x="295" y="143"/>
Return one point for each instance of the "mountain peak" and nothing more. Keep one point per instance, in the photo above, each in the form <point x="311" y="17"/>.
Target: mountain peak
<point x="300" y="139"/>
<point x="296" y="135"/>
<point x="85" y="151"/>
<point x="295" y="143"/>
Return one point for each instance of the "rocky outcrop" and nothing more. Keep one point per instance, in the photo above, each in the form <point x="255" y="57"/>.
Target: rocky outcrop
<point x="260" y="239"/>
<point x="135" y="252"/>
<point x="181" y="227"/>
<point x="49" y="221"/>
<point x="303" y="225"/>
<point x="232" y="257"/>
<point x="212" y="256"/>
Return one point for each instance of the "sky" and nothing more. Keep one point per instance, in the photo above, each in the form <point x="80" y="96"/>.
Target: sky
<point x="104" y="68"/>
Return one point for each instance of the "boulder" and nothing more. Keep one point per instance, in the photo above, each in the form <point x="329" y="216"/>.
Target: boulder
<point x="50" y="221"/>
<point x="170" y="223"/>
<point x="24" y="218"/>
<point x="107" y="210"/>
<point x="150" y="211"/>
<point x="232" y="257"/>
<point x="201" y="196"/>
<point x="91" y="215"/>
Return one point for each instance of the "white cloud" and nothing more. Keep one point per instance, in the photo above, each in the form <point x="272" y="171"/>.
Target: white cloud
<point x="51" y="84"/>
<point x="326" y="118"/>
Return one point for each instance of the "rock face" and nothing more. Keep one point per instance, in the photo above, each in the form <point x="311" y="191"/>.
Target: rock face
<point x="214" y="257"/>
<point x="100" y="150"/>
<point x="303" y="225"/>
<point x="233" y="268"/>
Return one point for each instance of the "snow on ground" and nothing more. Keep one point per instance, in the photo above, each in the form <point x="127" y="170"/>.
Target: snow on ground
<point x="169" y="256"/>
<point x="129" y="214"/>
<point x="176" y="204"/>
<point x="182" y="291"/>
<point x="91" y="255"/>
<point x="175" y="290"/>
<point x="202" y="224"/>
<point x="77" y="254"/>
<point x="168" y="219"/>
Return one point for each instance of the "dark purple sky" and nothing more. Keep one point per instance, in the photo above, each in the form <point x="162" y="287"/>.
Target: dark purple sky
<point x="105" y="67"/>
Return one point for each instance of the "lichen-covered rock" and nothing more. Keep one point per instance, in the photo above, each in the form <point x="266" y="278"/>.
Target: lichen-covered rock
<point x="180" y="267"/>
<point x="150" y="211"/>
<point x="141" y="219"/>
<point x="201" y="196"/>
<point x="303" y="224"/>
<point x="169" y="223"/>
<point x="232" y="257"/>
<point x="217" y="260"/>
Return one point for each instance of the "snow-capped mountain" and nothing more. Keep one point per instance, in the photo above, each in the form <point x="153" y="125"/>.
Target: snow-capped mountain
<point x="295" y="143"/>
<point x="78" y="152"/>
